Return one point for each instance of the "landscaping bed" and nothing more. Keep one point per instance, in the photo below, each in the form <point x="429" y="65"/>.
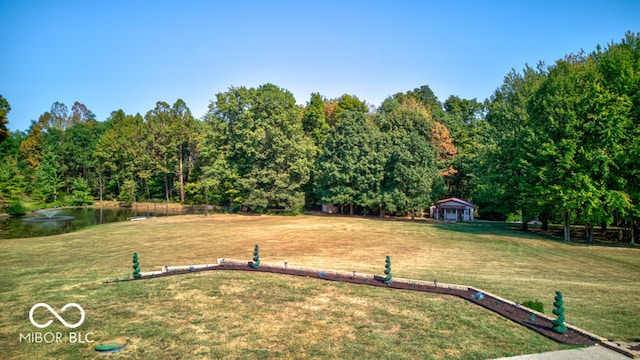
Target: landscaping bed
<point x="514" y="312"/>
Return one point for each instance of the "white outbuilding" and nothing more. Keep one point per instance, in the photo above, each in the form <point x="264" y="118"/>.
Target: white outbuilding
<point x="454" y="209"/>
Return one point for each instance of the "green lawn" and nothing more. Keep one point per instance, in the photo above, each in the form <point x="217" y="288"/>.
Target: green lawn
<point x="258" y="315"/>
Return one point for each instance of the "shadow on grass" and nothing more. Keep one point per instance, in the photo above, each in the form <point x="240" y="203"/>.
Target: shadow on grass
<point x="535" y="232"/>
<point x="499" y="228"/>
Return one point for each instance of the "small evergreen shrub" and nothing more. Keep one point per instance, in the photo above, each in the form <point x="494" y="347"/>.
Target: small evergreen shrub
<point x="136" y="266"/>
<point x="16" y="208"/>
<point x="256" y="257"/>
<point x="387" y="271"/>
<point x="534" y="305"/>
<point x="558" y="324"/>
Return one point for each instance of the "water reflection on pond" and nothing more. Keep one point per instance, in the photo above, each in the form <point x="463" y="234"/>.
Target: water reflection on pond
<point x="60" y="221"/>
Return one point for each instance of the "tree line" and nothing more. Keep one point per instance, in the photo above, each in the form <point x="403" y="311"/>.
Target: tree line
<point x="556" y="143"/>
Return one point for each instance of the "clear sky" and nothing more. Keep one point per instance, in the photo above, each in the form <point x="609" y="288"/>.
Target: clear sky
<point x="129" y="54"/>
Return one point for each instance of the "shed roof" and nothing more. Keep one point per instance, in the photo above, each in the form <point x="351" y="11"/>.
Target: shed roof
<point x="456" y="200"/>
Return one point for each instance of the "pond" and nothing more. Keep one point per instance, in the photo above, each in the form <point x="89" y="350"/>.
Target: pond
<point x="53" y="222"/>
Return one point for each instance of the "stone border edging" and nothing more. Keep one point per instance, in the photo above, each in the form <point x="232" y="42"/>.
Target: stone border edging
<point x="596" y="338"/>
<point x="360" y="278"/>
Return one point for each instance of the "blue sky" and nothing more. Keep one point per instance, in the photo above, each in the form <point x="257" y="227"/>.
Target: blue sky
<point x="127" y="55"/>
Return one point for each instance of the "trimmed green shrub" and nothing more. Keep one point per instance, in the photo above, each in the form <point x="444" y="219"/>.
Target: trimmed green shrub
<point x="387" y="271"/>
<point x="534" y="305"/>
<point x="558" y="324"/>
<point x="256" y="258"/>
<point x="136" y="266"/>
<point x="16" y="208"/>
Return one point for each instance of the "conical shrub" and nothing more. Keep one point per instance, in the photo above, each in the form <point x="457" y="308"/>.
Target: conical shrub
<point x="558" y="324"/>
<point x="256" y="257"/>
<point x="387" y="271"/>
<point x="136" y="266"/>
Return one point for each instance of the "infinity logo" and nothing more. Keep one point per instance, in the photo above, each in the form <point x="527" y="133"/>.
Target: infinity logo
<point x="46" y="306"/>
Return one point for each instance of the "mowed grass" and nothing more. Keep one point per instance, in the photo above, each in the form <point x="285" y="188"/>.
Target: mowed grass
<point x="233" y="314"/>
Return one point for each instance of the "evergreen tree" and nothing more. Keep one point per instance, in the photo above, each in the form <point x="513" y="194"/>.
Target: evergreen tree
<point x="558" y="324"/>
<point x="49" y="178"/>
<point x="4" y="110"/>
<point x="81" y="195"/>
<point x="11" y="182"/>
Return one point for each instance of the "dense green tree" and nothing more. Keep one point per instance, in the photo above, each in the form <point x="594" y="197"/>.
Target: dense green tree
<point x="580" y="127"/>
<point x="349" y="168"/>
<point x="49" y="178"/>
<point x="11" y="181"/>
<point x="619" y="65"/>
<point x="128" y="191"/>
<point x="265" y="147"/>
<point x="313" y="119"/>
<point x="76" y="150"/>
<point x="410" y="157"/>
<point x="184" y="131"/>
<point x="80" y="193"/>
<point x="334" y="108"/>
<point x="11" y="145"/>
<point x="120" y="154"/>
<point x="161" y="143"/>
<point x="426" y="98"/>
<point x="217" y="180"/>
<point x="510" y="120"/>
<point x="467" y="129"/>
<point x="4" y="110"/>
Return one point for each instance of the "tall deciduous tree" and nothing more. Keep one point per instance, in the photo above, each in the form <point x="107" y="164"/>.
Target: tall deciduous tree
<point x="511" y="128"/>
<point x="261" y="132"/>
<point x="619" y="65"/>
<point x="184" y="127"/>
<point x="80" y="114"/>
<point x="349" y="168"/>
<point x="465" y="120"/>
<point x="161" y="142"/>
<point x="121" y="153"/>
<point x="580" y="129"/>
<point x="410" y="156"/>
<point x="59" y="116"/>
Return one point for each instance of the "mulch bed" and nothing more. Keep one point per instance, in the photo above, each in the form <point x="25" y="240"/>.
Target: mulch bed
<point x="518" y="315"/>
